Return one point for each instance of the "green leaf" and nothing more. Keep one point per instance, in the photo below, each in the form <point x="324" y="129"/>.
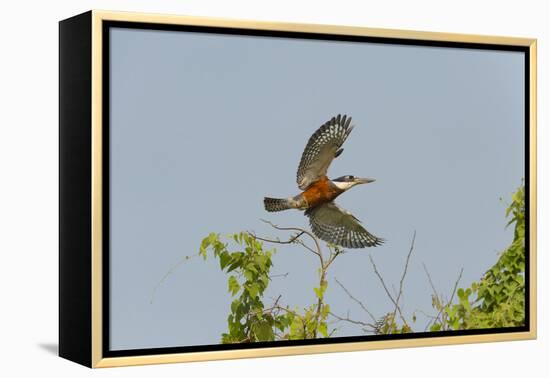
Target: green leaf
<point x="264" y="280"/>
<point x="249" y="275"/>
<point x="323" y="329"/>
<point x="318" y="292"/>
<point x="234" y="305"/>
<point x="233" y="285"/>
<point x="263" y="331"/>
<point x="325" y="311"/>
<point x="253" y="290"/>
<point x="234" y="265"/>
<point x="252" y="268"/>
<point x="260" y="261"/>
<point x="225" y="258"/>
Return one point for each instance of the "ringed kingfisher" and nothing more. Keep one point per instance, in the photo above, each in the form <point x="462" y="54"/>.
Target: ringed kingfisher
<point x="328" y="221"/>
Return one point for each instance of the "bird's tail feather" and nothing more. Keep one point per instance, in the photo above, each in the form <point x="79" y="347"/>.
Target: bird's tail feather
<point x="277" y="204"/>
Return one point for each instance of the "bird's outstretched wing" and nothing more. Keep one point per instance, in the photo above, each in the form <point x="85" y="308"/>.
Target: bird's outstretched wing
<point x="323" y="146"/>
<point x="335" y="225"/>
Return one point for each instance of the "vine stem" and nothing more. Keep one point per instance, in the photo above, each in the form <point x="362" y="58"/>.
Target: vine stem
<point x="322" y="280"/>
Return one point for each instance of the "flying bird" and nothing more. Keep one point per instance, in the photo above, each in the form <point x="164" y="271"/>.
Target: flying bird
<point x="328" y="221"/>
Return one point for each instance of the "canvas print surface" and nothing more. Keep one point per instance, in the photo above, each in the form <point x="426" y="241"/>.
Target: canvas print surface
<point x="267" y="189"/>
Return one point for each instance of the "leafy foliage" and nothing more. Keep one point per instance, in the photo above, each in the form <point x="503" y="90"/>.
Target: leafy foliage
<point x="248" y="271"/>
<point x="498" y="299"/>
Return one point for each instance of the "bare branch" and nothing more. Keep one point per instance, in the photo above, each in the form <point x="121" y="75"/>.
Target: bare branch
<point x="386" y="288"/>
<point x="284" y="275"/>
<point x="403" y="278"/>
<point x="277" y="241"/>
<point x="394" y="292"/>
<point x="452" y="296"/>
<point x="275" y="308"/>
<point x="303" y="244"/>
<point x="381" y="279"/>
<point x="433" y="319"/>
<point x="456" y="286"/>
<point x="397" y="308"/>
<point x="355" y="300"/>
<point x="333" y="255"/>
<point x="352" y="321"/>
<point x="294" y="239"/>
<point x="430" y="279"/>
<point x="286" y="309"/>
<point x="317" y="245"/>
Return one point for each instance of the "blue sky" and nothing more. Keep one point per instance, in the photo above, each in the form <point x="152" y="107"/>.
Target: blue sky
<point x="204" y="126"/>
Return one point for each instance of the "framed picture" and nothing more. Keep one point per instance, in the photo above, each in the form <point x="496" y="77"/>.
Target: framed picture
<point x="236" y="189"/>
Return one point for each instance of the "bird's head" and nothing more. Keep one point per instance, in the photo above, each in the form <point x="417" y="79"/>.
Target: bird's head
<point x="346" y="182"/>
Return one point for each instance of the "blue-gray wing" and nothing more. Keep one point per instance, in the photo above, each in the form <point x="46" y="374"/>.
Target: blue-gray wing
<point x="331" y="223"/>
<point x="323" y="146"/>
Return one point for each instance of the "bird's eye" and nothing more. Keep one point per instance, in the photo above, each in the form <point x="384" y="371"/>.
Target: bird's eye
<point x="350" y="177"/>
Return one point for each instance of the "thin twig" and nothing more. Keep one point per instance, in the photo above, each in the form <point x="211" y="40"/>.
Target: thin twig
<point x="294" y="239"/>
<point x="430" y="279"/>
<point x="303" y="244"/>
<point x="384" y="286"/>
<point x="286" y="309"/>
<point x="289" y="241"/>
<point x="425" y="314"/>
<point x="394" y="292"/>
<point x="352" y="321"/>
<point x="333" y="256"/>
<point x="403" y="276"/>
<point x="433" y="319"/>
<point x="456" y="286"/>
<point x="355" y="299"/>
<point x="452" y="296"/>
<point x="279" y="275"/>
<point x="317" y="245"/>
<point x="381" y="279"/>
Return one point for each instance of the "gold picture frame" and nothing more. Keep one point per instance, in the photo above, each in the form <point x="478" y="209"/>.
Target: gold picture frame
<point x="82" y="206"/>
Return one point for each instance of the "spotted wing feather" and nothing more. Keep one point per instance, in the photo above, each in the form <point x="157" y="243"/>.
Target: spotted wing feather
<point x="335" y="225"/>
<point x="323" y="146"/>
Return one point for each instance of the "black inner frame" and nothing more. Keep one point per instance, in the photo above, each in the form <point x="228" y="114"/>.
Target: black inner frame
<point x="106" y="25"/>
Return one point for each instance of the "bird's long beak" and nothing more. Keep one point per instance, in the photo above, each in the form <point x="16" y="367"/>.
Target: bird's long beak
<point x="360" y="180"/>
